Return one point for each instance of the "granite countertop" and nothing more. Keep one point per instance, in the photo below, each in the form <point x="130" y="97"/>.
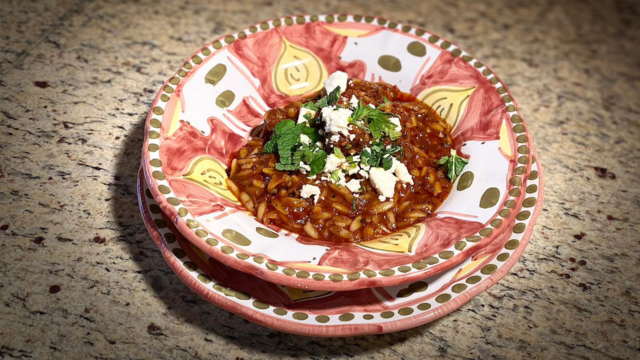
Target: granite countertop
<point x="82" y="279"/>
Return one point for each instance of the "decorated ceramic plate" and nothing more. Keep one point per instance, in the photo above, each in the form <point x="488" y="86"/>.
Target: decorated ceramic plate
<point x="206" y="111"/>
<point x="329" y="313"/>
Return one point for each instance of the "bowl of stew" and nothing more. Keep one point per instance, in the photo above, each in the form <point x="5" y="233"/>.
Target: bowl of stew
<point x="339" y="152"/>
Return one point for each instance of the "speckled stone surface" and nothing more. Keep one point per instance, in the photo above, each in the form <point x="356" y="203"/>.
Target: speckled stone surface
<point x="80" y="277"/>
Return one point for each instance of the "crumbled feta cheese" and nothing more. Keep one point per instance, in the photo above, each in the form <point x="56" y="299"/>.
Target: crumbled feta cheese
<point x="333" y="163"/>
<point x="382" y="198"/>
<point x="402" y="173"/>
<point x="396" y="121"/>
<point x="354" y="185"/>
<point x="353" y="169"/>
<point x="320" y="144"/>
<point x="310" y="190"/>
<point x="341" y="179"/>
<point x="334" y="138"/>
<point x="354" y="101"/>
<point x="352" y="136"/>
<point x="336" y="79"/>
<point x="304" y="168"/>
<point x="303" y="112"/>
<point x="372" y="106"/>
<point x="383" y="181"/>
<point x="305" y="139"/>
<point x="336" y="120"/>
<point x="364" y="174"/>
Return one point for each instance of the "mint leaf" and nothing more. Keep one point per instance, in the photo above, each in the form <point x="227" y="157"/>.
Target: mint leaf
<point x="310" y="106"/>
<point x="271" y="146"/>
<point x="312" y="133"/>
<point x="317" y="162"/>
<point x="387" y="162"/>
<point x="454" y="164"/>
<point x="287" y="167"/>
<point x="330" y="99"/>
<point x="307" y="116"/>
<point x="288" y="136"/>
<point x="379" y="155"/>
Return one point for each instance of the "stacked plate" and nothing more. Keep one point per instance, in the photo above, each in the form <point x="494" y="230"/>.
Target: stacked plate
<point x="288" y="282"/>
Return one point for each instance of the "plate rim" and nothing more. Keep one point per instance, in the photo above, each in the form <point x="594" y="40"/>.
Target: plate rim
<point x="304" y="329"/>
<point x="323" y="283"/>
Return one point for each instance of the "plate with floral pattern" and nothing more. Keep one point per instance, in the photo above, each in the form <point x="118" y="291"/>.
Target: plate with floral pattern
<point x="331" y="313"/>
<point x="206" y="111"/>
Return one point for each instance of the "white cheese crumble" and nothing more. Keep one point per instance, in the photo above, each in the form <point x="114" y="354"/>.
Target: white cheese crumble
<point x="334" y="138"/>
<point x="353" y="169"/>
<point x="401" y="172"/>
<point x="333" y="163"/>
<point x="336" y="120"/>
<point x="305" y="139"/>
<point x="336" y="79"/>
<point x="354" y="102"/>
<point x="304" y="168"/>
<point x="303" y="112"/>
<point x="352" y="136"/>
<point x="364" y="174"/>
<point x="310" y="190"/>
<point x="372" y="106"/>
<point x="382" y="198"/>
<point x="396" y="121"/>
<point x="383" y="181"/>
<point x="354" y="185"/>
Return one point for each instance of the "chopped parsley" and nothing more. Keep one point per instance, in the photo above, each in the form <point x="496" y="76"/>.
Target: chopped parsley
<point x="379" y="156"/>
<point x="454" y="164"/>
<point x="375" y="120"/>
<point x="335" y="175"/>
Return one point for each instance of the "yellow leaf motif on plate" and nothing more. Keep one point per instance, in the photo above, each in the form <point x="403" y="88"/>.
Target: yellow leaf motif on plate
<point x="404" y="241"/>
<point x="316" y="268"/>
<point x="469" y="267"/>
<point x="450" y="102"/>
<point x="211" y="175"/>
<point x="298" y="71"/>
<point x="505" y="143"/>
<point x="297" y="295"/>
<point x="349" y="32"/>
<point x="175" y="120"/>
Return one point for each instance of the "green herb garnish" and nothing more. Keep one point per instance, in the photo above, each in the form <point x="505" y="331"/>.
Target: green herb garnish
<point x="454" y="164"/>
<point x="379" y="156"/>
<point x="286" y="142"/>
<point x="312" y="133"/>
<point x="328" y="100"/>
<point x="338" y="153"/>
<point x="375" y="120"/>
<point x="310" y="106"/>
<point x="353" y="204"/>
<point x="317" y="161"/>
<point x="335" y="175"/>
